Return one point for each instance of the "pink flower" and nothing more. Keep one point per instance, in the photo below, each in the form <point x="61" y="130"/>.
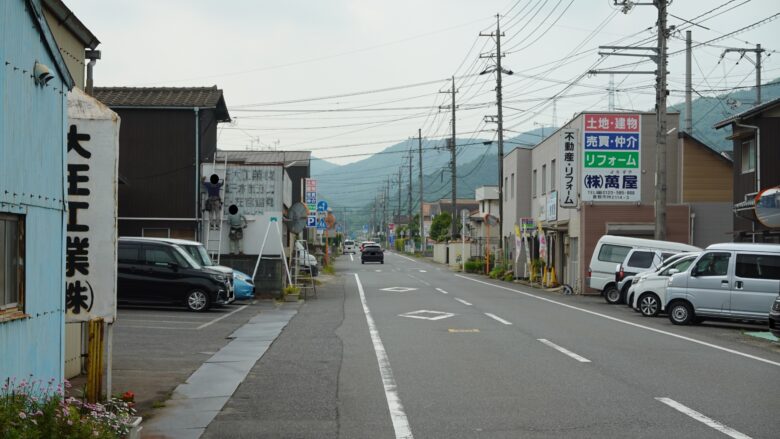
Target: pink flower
<point x="23" y="415"/>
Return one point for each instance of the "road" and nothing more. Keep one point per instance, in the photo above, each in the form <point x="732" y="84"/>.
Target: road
<point x="420" y="351"/>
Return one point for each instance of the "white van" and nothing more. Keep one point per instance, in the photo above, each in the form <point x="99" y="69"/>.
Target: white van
<point x="612" y="250"/>
<point x="732" y="281"/>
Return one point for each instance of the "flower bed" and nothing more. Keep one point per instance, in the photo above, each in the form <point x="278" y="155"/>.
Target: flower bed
<point x="40" y="410"/>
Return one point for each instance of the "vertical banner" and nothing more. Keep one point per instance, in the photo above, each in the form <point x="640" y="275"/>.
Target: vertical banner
<point x="310" y="199"/>
<point x="92" y="179"/>
<point x="569" y="176"/>
<point x="611" y="165"/>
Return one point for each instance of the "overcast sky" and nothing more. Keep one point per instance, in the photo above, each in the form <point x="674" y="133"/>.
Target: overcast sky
<point x="264" y="54"/>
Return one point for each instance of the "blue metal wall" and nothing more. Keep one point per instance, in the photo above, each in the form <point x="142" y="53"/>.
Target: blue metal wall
<point x="32" y="168"/>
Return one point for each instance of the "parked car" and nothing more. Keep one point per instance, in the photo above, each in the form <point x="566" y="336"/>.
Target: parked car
<point x="633" y="268"/>
<point x="243" y="286"/>
<point x="649" y="292"/>
<point x="612" y="250"/>
<point x="305" y="259"/>
<point x="349" y="247"/>
<point x="160" y="273"/>
<point x="774" y="317"/>
<point x="727" y="281"/>
<point x="198" y="252"/>
<point x="372" y="253"/>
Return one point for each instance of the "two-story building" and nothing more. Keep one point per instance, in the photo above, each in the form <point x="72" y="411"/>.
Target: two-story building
<point x="33" y="219"/>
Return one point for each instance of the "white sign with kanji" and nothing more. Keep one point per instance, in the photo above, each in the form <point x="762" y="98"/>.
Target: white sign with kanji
<point x="569" y="175"/>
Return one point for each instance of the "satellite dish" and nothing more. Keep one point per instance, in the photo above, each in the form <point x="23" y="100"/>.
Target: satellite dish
<point x="297" y="214"/>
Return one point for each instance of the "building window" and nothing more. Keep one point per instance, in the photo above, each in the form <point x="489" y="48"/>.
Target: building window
<point x="544" y="179"/>
<point x="11" y="263"/>
<point x="533" y="185"/>
<point x="552" y="175"/>
<point x="505" y="184"/>
<point x="748" y="156"/>
<point x="512" y="188"/>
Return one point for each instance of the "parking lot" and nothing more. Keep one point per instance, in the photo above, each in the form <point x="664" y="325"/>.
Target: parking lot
<point x="155" y="349"/>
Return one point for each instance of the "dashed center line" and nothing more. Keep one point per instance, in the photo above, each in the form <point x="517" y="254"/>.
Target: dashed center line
<point x="441" y="291"/>
<point x="423" y="271"/>
<point x="463" y="302"/>
<point x="497" y="318"/>
<point x="563" y="350"/>
<point x="728" y="431"/>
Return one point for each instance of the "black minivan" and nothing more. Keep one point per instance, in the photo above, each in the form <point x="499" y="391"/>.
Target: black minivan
<point x="160" y="273"/>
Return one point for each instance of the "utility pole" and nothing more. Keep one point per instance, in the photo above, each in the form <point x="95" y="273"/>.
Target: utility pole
<point x="758" y="51"/>
<point x="409" y="219"/>
<point x="453" y="166"/>
<point x="420" y="175"/>
<point x="398" y="214"/>
<point x="611" y="105"/>
<point x="688" y="85"/>
<point x="659" y="56"/>
<point x="500" y="71"/>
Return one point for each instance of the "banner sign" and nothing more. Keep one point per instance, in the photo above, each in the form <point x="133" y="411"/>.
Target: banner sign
<point x="569" y="177"/>
<point x="552" y="206"/>
<point x="611" y="162"/>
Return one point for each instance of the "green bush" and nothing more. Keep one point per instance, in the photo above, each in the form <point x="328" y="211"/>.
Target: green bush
<point x="475" y="266"/>
<point x="509" y="277"/>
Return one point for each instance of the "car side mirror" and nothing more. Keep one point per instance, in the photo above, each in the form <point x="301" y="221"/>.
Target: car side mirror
<point x="173" y="266"/>
<point x="673" y="271"/>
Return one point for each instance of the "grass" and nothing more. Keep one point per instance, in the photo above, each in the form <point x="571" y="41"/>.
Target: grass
<point x="328" y="269"/>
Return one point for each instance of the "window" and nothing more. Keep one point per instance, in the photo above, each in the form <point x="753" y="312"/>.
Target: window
<point x="712" y="264"/>
<point x="127" y="254"/>
<point x="157" y="256"/>
<point x="513" y="186"/>
<point x="544" y="179"/>
<point x="748" y="156"/>
<point x="758" y="266"/>
<point x="641" y="259"/>
<point x="680" y="266"/>
<point x="11" y="262"/>
<point x="613" y="253"/>
<point x="533" y="185"/>
<point x="552" y="175"/>
<point x="505" y="185"/>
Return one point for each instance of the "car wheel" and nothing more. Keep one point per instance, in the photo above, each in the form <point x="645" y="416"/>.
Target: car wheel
<point x="612" y="295"/>
<point x="629" y="300"/>
<point x="681" y="313"/>
<point x="649" y="305"/>
<point x="198" y="301"/>
<point x="362" y="262"/>
<point x="382" y="262"/>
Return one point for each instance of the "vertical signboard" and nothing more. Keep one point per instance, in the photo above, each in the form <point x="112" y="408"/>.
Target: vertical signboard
<point x="569" y="176"/>
<point x="91" y="241"/>
<point x="611" y="167"/>
<point x="310" y="198"/>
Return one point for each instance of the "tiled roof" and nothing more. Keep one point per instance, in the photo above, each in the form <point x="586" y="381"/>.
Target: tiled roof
<point x="184" y="97"/>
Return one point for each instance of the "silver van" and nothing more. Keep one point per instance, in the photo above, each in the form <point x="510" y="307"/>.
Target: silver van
<point x="732" y="281"/>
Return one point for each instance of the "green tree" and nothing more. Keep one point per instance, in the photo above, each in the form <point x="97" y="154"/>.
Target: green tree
<point x="440" y="226"/>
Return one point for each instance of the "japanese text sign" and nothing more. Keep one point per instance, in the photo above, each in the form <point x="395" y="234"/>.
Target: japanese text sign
<point x="569" y="183"/>
<point x="255" y="190"/>
<point x="611" y="162"/>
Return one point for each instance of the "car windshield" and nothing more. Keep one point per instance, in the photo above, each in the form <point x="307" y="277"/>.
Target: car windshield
<point x="190" y="260"/>
<point x="199" y="254"/>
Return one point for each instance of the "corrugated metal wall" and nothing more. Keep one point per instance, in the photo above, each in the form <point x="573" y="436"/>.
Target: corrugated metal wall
<point x="32" y="169"/>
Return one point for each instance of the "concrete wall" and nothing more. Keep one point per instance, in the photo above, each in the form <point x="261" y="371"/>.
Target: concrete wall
<point x="711" y="223"/>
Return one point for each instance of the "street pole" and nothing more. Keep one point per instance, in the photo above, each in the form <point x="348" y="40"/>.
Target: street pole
<point x="688" y="85"/>
<point x="660" y="135"/>
<point x="453" y="166"/>
<point x="463" y="240"/>
<point x="420" y="174"/>
<point x="409" y="219"/>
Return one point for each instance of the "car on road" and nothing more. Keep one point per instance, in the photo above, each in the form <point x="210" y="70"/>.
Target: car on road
<point x="243" y="285"/>
<point x="372" y="253"/>
<point x="727" y="281"/>
<point x="365" y="243"/>
<point x="349" y="246"/>
<point x="649" y="292"/>
<point x="155" y="272"/>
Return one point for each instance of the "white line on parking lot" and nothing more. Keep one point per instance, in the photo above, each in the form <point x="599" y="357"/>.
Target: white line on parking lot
<point x="463" y="302"/>
<point x="728" y="431"/>
<point x="441" y="291"/>
<point x="564" y="350"/>
<point x="221" y="317"/>
<point x="498" y="319"/>
<point x="397" y="414"/>
<point x="636" y="325"/>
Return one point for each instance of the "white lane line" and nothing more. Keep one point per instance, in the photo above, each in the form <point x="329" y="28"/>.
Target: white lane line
<point x="405" y="257"/>
<point x="351" y="258"/>
<point x="423" y="271"/>
<point x="397" y="414"/>
<point x="378" y="271"/>
<point x="441" y="291"/>
<point x="728" y="431"/>
<point x="563" y="350"/>
<point x="463" y="301"/>
<point x="636" y="325"/>
<point x="426" y="283"/>
<point x="497" y="318"/>
<point x="222" y="317"/>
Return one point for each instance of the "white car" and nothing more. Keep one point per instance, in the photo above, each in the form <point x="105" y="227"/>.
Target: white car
<point x="349" y="246"/>
<point x="649" y="292"/>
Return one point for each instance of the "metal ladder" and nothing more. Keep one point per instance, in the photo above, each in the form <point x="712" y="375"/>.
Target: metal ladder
<point x="214" y="240"/>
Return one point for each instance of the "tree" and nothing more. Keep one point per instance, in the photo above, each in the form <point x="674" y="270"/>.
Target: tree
<point x="440" y="226"/>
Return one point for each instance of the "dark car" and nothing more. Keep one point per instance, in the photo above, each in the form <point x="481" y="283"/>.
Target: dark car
<point x="372" y="253"/>
<point x="774" y="318"/>
<point x="161" y="273"/>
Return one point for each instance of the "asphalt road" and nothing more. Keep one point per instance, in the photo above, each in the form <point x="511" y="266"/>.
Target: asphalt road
<point x="411" y="349"/>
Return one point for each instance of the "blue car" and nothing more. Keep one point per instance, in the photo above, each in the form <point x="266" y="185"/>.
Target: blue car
<point x="243" y="286"/>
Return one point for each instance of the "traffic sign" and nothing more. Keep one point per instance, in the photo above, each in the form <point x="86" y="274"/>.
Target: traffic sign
<point x="311" y="221"/>
<point x="311" y="197"/>
<point x="311" y="185"/>
<point x="365" y="228"/>
<point x="321" y="224"/>
<point x="312" y="207"/>
<point x="322" y="206"/>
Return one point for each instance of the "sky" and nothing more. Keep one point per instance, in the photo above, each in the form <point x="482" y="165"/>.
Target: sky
<point x="348" y="78"/>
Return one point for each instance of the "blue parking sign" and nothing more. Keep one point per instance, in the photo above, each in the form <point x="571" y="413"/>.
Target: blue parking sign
<point x="311" y="221"/>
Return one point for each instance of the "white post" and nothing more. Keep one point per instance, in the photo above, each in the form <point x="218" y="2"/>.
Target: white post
<point x="284" y="257"/>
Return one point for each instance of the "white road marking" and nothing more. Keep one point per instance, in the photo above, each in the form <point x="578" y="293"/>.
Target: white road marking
<point x="426" y="283"/>
<point x="463" y="302"/>
<point x="636" y="325"/>
<point x="155" y="327"/>
<point x="497" y="318"/>
<point x="423" y="271"/>
<point x="441" y="291"/>
<point x="405" y="257"/>
<point x="397" y="414"/>
<point x="564" y="350"/>
<point x="431" y="315"/>
<point x="728" y="431"/>
<point x="378" y="271"/>
<point x="398" y="289"/>
<point x="351" y="258"/>
<point x="175" y="322"/>
<point x="241" y="308"/>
